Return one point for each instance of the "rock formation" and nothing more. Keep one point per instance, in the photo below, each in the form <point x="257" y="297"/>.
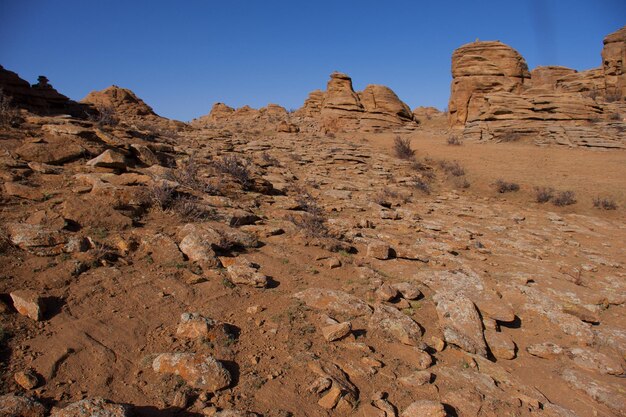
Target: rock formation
<point x="340" y="108"/>
<point x="127" y="107"/>
<point x="40" y="98"/>
<point x="222" y="115"/>
<point x="495" y="97"/>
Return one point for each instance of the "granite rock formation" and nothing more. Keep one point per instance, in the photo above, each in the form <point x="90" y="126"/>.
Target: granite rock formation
<point x="495" y="97"/>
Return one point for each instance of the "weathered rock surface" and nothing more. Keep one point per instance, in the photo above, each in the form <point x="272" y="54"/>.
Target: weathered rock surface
<point x="198" y="370"/>
<point x="461" y="323"/>
<point x="12" y="405"/>
<point x="93" y="407"/>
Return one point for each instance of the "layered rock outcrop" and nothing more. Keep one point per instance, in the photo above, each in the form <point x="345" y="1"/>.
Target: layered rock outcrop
<point x="340" y="108"/>
<point x="40" y="98"/>
<point x="495" y="97"/>
<point x="222" y="115"/>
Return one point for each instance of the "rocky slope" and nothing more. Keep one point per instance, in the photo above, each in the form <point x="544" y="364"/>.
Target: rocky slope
<point x="299" y="274"/>
<point x="495" y="97"/>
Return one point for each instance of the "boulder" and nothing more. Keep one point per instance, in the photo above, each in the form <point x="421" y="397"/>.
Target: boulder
<point x="460" y="322"/>
<point x="12" y="405"/>
<point x="91" y="407"/>
<point x="198" y="370"/>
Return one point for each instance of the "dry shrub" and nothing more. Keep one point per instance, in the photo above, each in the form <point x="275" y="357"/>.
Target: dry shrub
<point x="9" y="115"/>
<point x="564" y="198"/>
<point x="421" y="184"/>
<point x="402" y="148"/>
<point x="453" y="168"/>
<point x="269" y="159"/>
<point x="461" y="182"/>
<point x="604" y="203"/>
<point x="161" y="194"/>
<point x="454" y="140"/>
<point x="191" y="209"/>
<point x="505" y="186"/>
<point x="312" y="225"/>
<point x="236" y="167"/>
<point x="543" y="194"/>
<point x="105" y="116"/>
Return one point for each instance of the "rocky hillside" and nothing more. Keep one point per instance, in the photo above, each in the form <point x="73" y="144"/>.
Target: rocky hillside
<point x="273" y="263"/>
<point x="495" y="97"/>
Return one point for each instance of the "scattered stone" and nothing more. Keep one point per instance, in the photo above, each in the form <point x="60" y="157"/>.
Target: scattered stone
<point x="386" y="292"/>
<point x="195" y="326"/>
<point x="378" y="250"/>
<point x="23" y="191"/>
<point x="596" y="361"/>
<point x="334" y="302"/>
<point x="198" y="370"/>
<point x="545" y="350"/>
<point x="582" y="313"/>
<point x="244" y="272"/>
<point x="336" y="331"/>
<point x="416" y="379"/>
<point x="92" y="407"/>
<point x="162" y="249"/>
<point x="421" y="359"/>
<point x="461" y="322"/>
<point x="424" y="408"/>
<point x="26" y="379"/>
<point x="380" y="401"/>
<point x="333" y="263"/>
<point x="111" y="158"/>
<point x="391" y="322"/>
<point x="500" y="344"/>
<point x="408" y="290"/>
<point x="28" y="303"/>
<point x="437" y="343"/>
<point x="341" y="393"/>
<point x="609" y="395"/>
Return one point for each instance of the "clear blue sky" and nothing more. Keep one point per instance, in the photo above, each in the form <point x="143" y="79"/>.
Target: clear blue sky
<point x="182" y="56"/>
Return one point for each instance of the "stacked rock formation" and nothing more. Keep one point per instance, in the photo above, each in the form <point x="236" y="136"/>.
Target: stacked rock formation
<point x="40" y="98"/>
<point x="340" y="108"/>
<point x="495" y="97"/>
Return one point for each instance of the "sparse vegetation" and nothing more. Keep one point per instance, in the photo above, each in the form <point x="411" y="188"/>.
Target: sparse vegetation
<point x="236" y="167"/>
<point x="543" y="194"/>
<point x="9" y="115"/>
<point x="461" y="182"/>
<point x="191" y="209"/>
<point x="604" y="203"/>
<point x="564" y="198"/>
<point x="311" y="224"/>
<point x="161" y="194"/>
<point x="452" y="168"/>
<point x="402" y="148"/>
<point x="454" y="140"/>
<point x="505" y="186"/>
<point x="269" y="160"/>
<point x="105" y="116"/>
<point x="421" y="184"/>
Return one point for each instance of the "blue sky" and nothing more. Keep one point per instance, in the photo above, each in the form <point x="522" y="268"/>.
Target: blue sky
<point x="182" y="56"/>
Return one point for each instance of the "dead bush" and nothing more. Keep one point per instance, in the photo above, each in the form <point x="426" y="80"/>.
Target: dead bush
<point x="461" y="182"/>
<point x="306" y="201"/>
<point x="604" y="203"/>
<point x="453" y="168"/>
<point x="402" y="148"/>
<point x="236" y="167"/>
<point x="191" y="209"/>
<point x="454" y="140"/>
<point x="161" y="194"/>
<point x="105" y="116"/>
<point x="564" y="198"/>
<point x="312" y="225"/>
<point x="543" y="194"/>
<point x="9" y="115"/>
<point x="421" y="184"/>
<point x="505" y="186"/>
<point x="269" y="160"/>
